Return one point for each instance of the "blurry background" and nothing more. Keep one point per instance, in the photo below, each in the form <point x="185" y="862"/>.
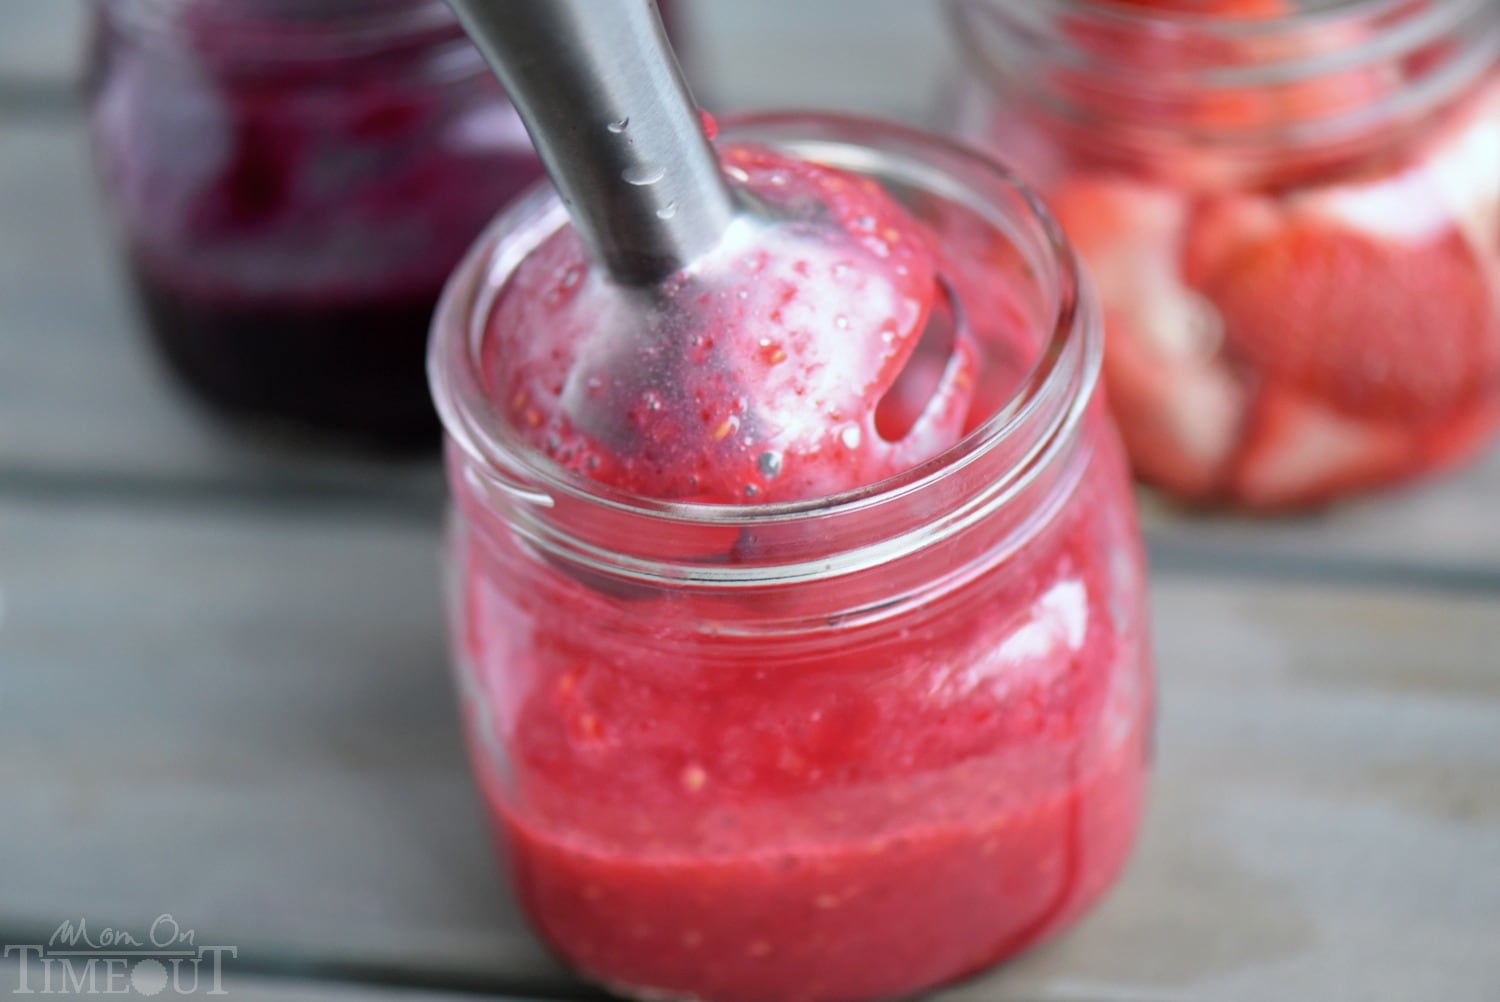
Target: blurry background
<point x="224" y="693"/>
<point x="97" y="402"/>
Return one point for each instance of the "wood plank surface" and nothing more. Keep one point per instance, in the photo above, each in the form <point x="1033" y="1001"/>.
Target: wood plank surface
<point x="1325" y="819"/>
<point x="16" y="981"/>
<point x="41" y="45"/>
<point x="245" y="720"/>
<point x="877" y="57"/>
<point x="246" y="724"/>
<point x="1442" y="532"/>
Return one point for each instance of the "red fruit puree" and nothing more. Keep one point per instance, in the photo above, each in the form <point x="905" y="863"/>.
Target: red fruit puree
<point x="781" y="323"/>
<point x="1301" y="278"/>
<point x="855" y="786"/>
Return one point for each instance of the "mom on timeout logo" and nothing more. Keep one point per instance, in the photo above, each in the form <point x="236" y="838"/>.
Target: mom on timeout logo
<point x="78" y="960"/>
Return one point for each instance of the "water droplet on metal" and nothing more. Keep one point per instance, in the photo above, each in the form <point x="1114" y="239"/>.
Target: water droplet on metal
<point x="667" y="211"/>
<point x="643" y="175"/>
<point x="619" y="126"/>
<point x="769" y="463"/>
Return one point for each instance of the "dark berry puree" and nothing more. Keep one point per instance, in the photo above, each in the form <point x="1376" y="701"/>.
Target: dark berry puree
<point x="293" y="201"/>
<point x="839" y="807"/>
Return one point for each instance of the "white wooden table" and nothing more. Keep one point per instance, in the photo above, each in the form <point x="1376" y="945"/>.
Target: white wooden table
<point x="223" y="690"/>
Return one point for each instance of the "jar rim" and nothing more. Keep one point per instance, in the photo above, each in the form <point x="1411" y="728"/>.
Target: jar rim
<point x="1070" y="352"/>
<point x="1314" y="14"/>
<point x="1310" y="14"/>
<point x="302" y="30"/>
<point x="1346" y="36"/>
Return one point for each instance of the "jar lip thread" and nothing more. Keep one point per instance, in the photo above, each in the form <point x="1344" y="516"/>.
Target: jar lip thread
<point x="1066" y="354"/>
<point x="1306" y="15"/>
<point x="286" y="31"/>
<point x="1307" y="44"/>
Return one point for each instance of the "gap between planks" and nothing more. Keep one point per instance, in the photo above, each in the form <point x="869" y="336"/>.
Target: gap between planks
<point x="417" y="500"/>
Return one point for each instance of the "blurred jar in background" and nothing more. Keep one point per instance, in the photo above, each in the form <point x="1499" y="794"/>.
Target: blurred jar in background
<point x="294" y="180"/>
<point x="1292" y="213"/>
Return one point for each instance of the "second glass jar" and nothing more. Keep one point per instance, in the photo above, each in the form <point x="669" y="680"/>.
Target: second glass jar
<point x="1292" y="212"/>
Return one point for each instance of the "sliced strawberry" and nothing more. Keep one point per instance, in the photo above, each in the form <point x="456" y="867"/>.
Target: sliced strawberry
<point x="1128" y="234"/>
<point x="1461" y="436"/>
<point x="1378" y="328"/>
<point x="1180" y="421"/>
<point x="1301" y="453"/>
<point x="1178" y="402"/>
<point x="1220" y="229"/>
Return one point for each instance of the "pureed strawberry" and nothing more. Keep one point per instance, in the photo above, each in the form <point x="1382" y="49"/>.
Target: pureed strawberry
<point x="799" y="333"/>
<point x="1293" y="219"/>
<point x="838" y="695"/>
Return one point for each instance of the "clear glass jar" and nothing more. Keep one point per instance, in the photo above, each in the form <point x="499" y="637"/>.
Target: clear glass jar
<point x="293" y="181"/>
<point x="839" y="749"/>
<point x="1292" y="212"/>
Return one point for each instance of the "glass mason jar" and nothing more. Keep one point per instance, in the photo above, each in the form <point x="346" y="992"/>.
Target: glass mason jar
<point x="293" y="181"/>
<point x="840" y="749"/>
<point x="1291" y="211"/>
